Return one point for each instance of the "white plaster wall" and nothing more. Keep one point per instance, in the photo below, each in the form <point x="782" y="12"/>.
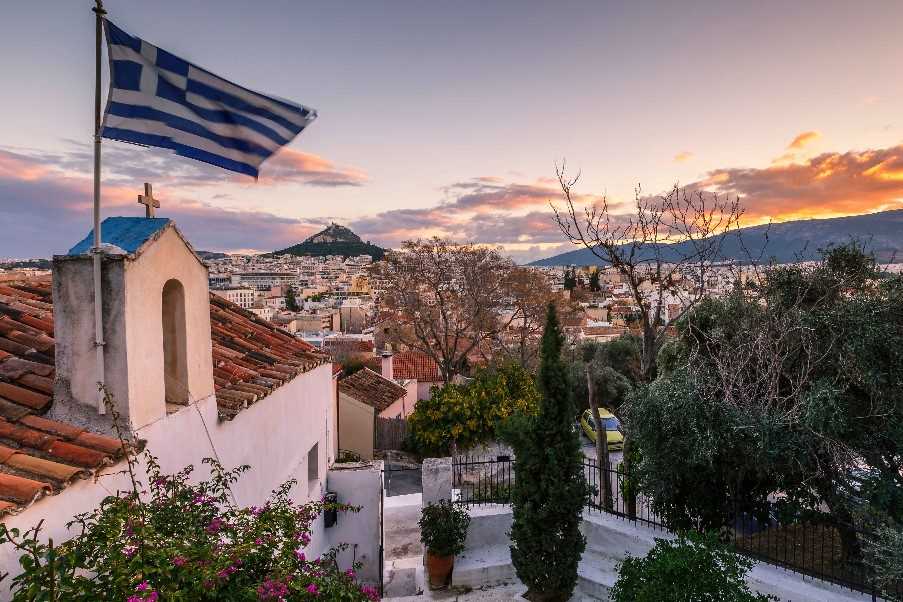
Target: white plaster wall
<point x="166" y="258"/>
<point x="273" y="436"/>
<point x="358" y="485"/>
<point x="424" y="388"/>
<point x="356" y="423"/>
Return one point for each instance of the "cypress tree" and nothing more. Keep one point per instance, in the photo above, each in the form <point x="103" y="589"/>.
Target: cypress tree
<point x="550" y="490"/>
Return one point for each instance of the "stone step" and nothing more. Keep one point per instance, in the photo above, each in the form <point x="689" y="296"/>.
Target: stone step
<point x="596" y="574"/>
<point x="483" y="567"/>
<point x="400" y="577"/>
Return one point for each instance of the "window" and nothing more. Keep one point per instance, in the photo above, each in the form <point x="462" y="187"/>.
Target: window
<point x="313" y="466"/>
<point x="175" y="352"/>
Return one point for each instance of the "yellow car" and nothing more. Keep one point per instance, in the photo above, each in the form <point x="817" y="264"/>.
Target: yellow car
<point x="612" y="428"/>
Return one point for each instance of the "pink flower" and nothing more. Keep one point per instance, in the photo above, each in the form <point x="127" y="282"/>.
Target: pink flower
<point x="142" y="587"/>
<point x="134" y="599"/>
<point x="179" y="560"/>
<point x="129" y="550"/>
<point x="152" y="597"/>
<point x="215" y="525"/>
<point x="300" y="556"/>
<point x="312" y="588"/>
<point x="350" y="573"/>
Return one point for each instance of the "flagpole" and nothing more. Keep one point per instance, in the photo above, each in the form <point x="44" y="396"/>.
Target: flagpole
<point x="96" y="251"/>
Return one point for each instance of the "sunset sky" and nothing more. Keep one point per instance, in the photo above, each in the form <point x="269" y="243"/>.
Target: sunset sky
<point x="448" y="117"/>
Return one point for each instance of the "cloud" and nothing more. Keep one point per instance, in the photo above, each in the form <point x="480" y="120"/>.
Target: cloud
<point x="46" y="209"/>
<point x="803" y="139"/>
<point x="683" y="157"/>
<point x="486" y="209"/>
<point x="290" y="165"/>
<point x="129" y="163"/>
<point x="829" y="184"/>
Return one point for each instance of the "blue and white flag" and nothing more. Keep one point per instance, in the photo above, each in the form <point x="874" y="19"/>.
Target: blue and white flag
<point x="158" y="99"/>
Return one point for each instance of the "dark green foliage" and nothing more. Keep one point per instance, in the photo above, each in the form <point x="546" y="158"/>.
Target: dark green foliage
<point x="334" y="240"/>
<point x="594" y="285"/>
<point x="291" y="301"/>
<point x="691" y="568"/>
<point x="472" y="413"/>
<point x="550" y="491"/>
<point x="570" y="279"/>
<point x="614" y="366"/>
<point x="796" y="387"/>
<point x="443" y="528"/>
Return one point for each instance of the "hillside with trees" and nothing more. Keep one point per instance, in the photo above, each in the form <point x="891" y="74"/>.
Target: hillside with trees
<point x="334" y="240"/>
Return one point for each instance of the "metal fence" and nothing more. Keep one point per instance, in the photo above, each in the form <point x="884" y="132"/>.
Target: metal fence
<point x="482" y="480"/>
<point x="812" y="545"/>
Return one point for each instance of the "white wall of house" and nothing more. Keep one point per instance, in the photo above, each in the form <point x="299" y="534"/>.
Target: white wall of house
<point x="356" y="424"/>
<point x="274" y="436"/>
<point x="361" y="485"/>
<point x="424" y="389"/>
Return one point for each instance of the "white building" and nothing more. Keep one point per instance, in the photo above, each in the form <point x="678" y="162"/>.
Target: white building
<point x="239" y="295"/>
<point x="192" y="375"/>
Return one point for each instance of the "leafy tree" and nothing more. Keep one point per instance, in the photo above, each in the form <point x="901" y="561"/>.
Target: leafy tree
<point x="460" y="416"/>
<point x="570" y="279"/>
<point x="691" y="568"/>
<point x="594" y="285"/>
<point x="614" y="366"/>
<point x="550" y="490"/>
<point x="291" y="301"/>
<point x="795" y="387"/>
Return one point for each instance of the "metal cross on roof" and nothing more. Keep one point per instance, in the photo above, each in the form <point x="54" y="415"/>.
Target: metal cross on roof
<point x="147" y="199"/>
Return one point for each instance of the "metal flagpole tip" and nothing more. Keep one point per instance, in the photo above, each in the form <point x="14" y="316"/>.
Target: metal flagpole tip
<point x="99" y="8"/>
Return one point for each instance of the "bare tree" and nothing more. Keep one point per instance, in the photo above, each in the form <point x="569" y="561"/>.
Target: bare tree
<point x="528" y="294"/>
<point x="665" y="249"/>
<point x="444" y="299"/>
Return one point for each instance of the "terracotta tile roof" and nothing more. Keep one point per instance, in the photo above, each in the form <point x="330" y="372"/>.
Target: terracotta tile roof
<point x="348" y="345"/>
<point x="415" y="365"/>
<point x="38" y="456"/>
<point x="252" y="357"/>
<point x="370" y="388"/>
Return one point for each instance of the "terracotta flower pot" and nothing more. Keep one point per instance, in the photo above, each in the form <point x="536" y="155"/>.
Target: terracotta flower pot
<point x="439" y="569"/>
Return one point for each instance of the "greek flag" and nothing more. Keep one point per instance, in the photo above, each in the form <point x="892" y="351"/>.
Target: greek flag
<point x="158" y="99"/>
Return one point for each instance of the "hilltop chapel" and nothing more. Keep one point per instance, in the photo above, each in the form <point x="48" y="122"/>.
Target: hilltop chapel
<point x="191" y="376"/>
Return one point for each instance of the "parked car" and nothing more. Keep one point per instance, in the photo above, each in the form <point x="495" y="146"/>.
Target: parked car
<point x="612" y="428"/>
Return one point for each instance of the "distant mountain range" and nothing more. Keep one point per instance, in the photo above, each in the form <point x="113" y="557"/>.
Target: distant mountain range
<point x="334" y="240"/>
<point x="881" y="233"/>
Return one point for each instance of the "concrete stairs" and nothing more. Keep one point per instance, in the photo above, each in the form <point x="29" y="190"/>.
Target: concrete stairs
<point x="402" y="550"/>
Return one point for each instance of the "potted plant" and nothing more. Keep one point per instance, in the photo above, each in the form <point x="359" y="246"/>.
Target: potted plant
<point x="443" y="529"/>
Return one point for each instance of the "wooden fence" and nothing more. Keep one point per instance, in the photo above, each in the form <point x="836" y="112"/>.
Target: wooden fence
<point x="390" y="433"/>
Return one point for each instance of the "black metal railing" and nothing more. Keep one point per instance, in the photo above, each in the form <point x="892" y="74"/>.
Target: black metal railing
<point x="482" y="480"/>
<point x="812" y="545"/>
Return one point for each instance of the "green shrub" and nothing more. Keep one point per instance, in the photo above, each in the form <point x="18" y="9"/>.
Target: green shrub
<point x="468" y="414"/>
<point x="691" y="568"/>
<point x="549" y="490"/>
<point x="443" y="528"/>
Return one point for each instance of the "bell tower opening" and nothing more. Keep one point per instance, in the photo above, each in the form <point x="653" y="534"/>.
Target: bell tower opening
<point x="175" y="344"/>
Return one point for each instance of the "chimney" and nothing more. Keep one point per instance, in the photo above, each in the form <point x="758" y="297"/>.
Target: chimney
<point x="386" y="370"/>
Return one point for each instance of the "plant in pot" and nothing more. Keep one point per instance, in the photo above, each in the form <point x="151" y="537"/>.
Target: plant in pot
<point x="443" y="529"/>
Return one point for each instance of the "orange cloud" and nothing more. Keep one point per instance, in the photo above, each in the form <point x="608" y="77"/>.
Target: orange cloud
<point x="289" y="165"/>
<point x="830" y="184"/>
<point x="802" y="140"/>
<point x="683" y="157"/>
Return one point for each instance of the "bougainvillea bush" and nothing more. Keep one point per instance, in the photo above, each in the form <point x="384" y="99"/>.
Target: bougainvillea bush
<point x="173" y="540"/>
